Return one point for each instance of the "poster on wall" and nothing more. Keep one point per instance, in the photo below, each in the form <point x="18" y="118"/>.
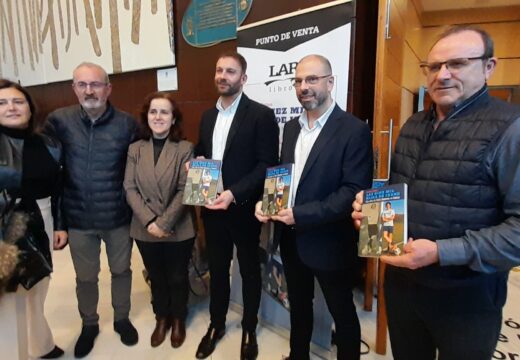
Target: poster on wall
<point x="43" y="41"/>
<point x="273" y="47"/>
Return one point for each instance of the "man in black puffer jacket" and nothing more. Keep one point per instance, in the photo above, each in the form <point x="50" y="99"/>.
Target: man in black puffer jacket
<point x="460" y="160"/>
<point x="95" y="138"/>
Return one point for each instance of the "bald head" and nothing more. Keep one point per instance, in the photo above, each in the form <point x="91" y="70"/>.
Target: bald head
<point x="313" y="84"/>
<point x="321" y="60"/>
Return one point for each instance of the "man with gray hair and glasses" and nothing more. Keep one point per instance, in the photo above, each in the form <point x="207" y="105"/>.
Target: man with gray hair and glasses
<point x="460" y="160"/>
<point x="95" y="138"/>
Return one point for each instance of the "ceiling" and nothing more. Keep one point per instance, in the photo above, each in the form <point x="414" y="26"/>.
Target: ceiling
<point x="442" y="5"/>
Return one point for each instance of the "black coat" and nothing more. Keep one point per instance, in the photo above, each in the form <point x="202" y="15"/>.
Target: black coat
<point x="31" y="169"/>
<point x="339" y="166"/>
<point x="251" y="147"/>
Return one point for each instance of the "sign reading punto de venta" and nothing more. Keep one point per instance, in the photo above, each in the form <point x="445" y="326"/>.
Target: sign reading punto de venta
<point x="207" y="22"/>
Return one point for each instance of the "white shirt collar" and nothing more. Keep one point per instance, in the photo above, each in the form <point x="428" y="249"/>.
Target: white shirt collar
<point x="232" y="107"/>
<point x="320" y="122"/>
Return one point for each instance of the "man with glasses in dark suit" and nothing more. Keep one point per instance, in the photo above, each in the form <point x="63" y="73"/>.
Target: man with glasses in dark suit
<point x="332" y="153"/>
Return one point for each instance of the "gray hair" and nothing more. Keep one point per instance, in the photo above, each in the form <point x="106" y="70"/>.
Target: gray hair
<point x="92" y="66"/>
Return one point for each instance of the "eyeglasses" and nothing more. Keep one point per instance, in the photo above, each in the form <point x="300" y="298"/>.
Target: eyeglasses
<point x="94" y="85"/>
<point x="452" y="65"/>
<point x="309" y="80"/>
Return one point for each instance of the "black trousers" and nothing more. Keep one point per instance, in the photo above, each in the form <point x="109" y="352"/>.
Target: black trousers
<point x="235" y="226"/>
<point x="336" y="286"/>
<point x="460" y="322"/>
<point x="167" y="266"/>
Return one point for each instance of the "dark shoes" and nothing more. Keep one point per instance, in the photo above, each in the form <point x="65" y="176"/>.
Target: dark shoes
<point x="127" y="331"/>
<point x="178" y="333"/>
<point x="85" y="341"/>
<point x="89" y="333"/>
<point x="209" y="341"/>
<point x="53" y="354"/>
<point x="162" y="326"/>
<point x="249" y="346"/>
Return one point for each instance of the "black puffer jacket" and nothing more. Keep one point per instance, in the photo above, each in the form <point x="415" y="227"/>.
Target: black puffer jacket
<point x="95" y="159"/>
<point x="459" y="184"/>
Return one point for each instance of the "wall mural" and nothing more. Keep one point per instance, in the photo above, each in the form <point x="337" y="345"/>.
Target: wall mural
<point x="42" y="41"/>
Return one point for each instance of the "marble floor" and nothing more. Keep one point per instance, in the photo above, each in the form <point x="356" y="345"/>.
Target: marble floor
<point x="61" y="310"/>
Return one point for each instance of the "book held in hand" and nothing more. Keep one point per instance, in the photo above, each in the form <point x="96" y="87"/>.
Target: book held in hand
<point x="278" y="189"/>
<point x="201" y="183"/>
<point x="384" y="227"/>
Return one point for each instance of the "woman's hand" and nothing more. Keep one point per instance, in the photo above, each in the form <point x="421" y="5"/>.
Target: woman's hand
<point x="156" y="231"/>
<point x="60" y="240"/>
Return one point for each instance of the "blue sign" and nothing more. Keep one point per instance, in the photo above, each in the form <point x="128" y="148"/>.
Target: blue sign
<point x="207" y="22"/>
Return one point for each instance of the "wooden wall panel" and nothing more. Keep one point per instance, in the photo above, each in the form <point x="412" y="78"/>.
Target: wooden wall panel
<point x="412" y="75"/>
<point x="505" y="36"/>
<point x="421" y="41"/>
<point x="391" y="60"/>
<point x="394" y="63"/>
<point x="506" y="73"/>
<point x="407" y="106"/>
<point x="471" y="16"/>
<point x="507" y="44"/>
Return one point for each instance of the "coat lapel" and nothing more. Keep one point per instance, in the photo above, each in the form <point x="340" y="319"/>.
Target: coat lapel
<point x="325" y="136"/>
<point x="212" y="121"/>
<point x="239" y="117"/>
<point x="291" y="138"/>
<point x="166" y="157"/>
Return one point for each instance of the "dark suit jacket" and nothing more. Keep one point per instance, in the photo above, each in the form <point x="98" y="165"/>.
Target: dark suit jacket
<point x="155" y="191"/>
<point x="339" y="165"/>
<point x="251" y="147"/>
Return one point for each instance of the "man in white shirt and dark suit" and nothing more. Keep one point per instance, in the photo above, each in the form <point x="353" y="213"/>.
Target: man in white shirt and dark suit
<point x="243" y="134"/>
<point x="332" y="153"/>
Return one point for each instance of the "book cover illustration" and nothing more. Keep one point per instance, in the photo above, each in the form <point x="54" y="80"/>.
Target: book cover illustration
<point x="201" y="182"/>
<point x="278" y="189"/>
<point x="384" y="227"/>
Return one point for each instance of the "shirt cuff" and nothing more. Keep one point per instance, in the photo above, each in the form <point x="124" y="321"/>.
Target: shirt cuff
<point x="452" y="252"/>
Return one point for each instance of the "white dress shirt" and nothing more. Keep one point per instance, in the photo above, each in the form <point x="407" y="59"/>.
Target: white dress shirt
<point x="306" y="140"/>
<point x="222" y="126"/>
<point x="221" y="132"/>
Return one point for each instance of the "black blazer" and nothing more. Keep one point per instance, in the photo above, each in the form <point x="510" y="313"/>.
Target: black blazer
<point x="251" y="147"/>
<point x="339" y="165"/>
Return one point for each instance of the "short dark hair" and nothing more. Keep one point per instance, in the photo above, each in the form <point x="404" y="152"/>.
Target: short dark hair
<point x="7" y="84"/>
<point x="176" y="129"/>
<point x="239" y="58"/>
<point x="486" y="38"/>
<point x="388" y="203"/>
